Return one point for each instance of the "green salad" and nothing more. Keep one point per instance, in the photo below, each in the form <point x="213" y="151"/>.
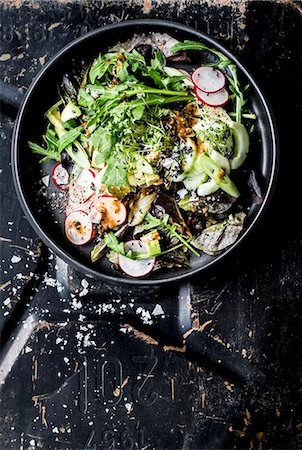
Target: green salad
<point x="147" y="144"/>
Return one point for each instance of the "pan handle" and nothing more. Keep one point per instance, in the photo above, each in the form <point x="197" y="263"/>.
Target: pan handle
<point x="204" y="350"/>
<point x="10" y="95"/>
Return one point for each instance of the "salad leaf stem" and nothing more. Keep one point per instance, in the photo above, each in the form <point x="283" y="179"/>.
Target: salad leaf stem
<point x="153" y="91"/>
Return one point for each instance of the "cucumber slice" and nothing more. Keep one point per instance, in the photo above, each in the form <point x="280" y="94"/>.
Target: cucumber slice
<point x="192" y="182"/>
<point x="241" y="144"/>
<point x="220" y="160"/>
<point x="71" y="111"/>
<point x="204" y="162"/>
<point x="189" y="155"/>
<point x="207" y="188"/>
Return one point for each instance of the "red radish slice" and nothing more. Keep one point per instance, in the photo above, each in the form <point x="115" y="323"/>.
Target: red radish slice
<point x="208" y="79"/>
<point x="82" y="187"/>
<point x="72" y="206"/>
<point x="110" y="211"/>
<point x="60" y="176"/>
<point x="219" y="98"/>
<point x="78" y="228"/>
<point x="139" y="267"/>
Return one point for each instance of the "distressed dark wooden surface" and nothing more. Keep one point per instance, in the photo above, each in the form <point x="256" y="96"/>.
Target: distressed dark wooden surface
<point x="85" y="380"/>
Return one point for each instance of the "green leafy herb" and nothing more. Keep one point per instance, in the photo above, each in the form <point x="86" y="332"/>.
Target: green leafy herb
<point x="116" y="172"/>
<point x="99" y="67"/>
<point x="47" y="153"/>
<point x="101" y="142"/>
<point x="68" y="138"/>
<point x="85" y="99"/>
<point x="158" y="61"/>
<point x="113" y="243"/>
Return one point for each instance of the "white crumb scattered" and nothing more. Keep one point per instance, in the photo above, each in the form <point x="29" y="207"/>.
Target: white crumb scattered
<point x="108" y="308"/>
<point x="145" y="315"/>
<point x="158" y="310"/>
<point x="84" y="283"/>
<point x="45" y="180"/>
<point x="167" y="163"/>
<point x="6" y="301"/>
<point x="76" y="304"/>
<point x="182" y="193"/>
<point x="15" y="259"/>
<point x="28" y="349"/>
<point x="60" y="287"/>
<point x="49" y="281"/>
<point x="83" y="292"/>
<point x="129" y="407"/>
<point x="55" y="430"/>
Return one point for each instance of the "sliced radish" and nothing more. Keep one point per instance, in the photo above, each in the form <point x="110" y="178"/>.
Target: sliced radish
<point x="219" y="98"/>
<point x="208" y="79"/>
<point x="139" y="267"/>
<point x="82" y="187"/>
<point x="78" y="228"/>
<point x="60" y="176"/>
<point x="108" y="210"/>
<point x="73" y="206"/>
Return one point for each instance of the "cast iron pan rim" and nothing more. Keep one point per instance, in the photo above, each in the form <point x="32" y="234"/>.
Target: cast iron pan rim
<point x="132" y="281"/>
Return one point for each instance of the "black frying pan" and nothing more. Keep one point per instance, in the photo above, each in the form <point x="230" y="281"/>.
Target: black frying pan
<point x="38" y="204"/>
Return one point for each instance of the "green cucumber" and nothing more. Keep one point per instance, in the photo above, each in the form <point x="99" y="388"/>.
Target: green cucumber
<point x="207" y="188"/>
<point x="71" y="111"/>
<point x="241" y="144"/>
<point x="189" y="155"/>
<point x="191" y="182"/>
<point x="204" y="162"/>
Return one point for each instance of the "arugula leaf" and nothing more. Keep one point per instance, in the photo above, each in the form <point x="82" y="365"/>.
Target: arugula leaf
<point x="135" y="60"/>
<point x="68" y="137"/>
<point x="85" y="99"/>
<point x="98" y="69"/>
<point x="101" y="142"/>
<point x="122" y="72"/>
<point x="116" y="172"/>
<point x="51" y="139"/>
<point x="101" y="65"/>
<point x="113" y="243"/>
<point x="47" y="153"/>
<point x="156" y="77"/>
<point x="158" y="61"/>
<point x="174" y="83"/>
<point x="138" y="112"/>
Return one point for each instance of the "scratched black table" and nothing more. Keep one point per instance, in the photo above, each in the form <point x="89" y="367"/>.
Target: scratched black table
<point x="76" y="371"/>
